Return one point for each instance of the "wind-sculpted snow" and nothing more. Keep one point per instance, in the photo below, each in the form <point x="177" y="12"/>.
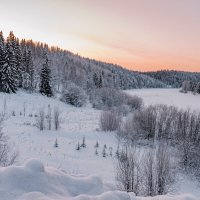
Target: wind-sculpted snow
<point x="34" y="181"/>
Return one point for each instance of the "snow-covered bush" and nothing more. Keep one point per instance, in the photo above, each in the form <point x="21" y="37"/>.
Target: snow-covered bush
<point x="107" y="98"/>
<point x="110" y="120"/>
<point x="134" y="102"/>
<point x="127" y="130"/>
<point x="74" y="95"/>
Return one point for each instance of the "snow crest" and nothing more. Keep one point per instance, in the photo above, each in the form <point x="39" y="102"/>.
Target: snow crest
<point x="34" y="181"/>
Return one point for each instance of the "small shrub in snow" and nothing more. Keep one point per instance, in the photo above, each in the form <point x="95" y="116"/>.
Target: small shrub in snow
<point x="96" y="152"/>
<point x="110" y="121"/>
<point x="74" y="95"/>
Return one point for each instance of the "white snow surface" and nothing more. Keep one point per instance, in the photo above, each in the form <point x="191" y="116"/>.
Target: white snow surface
<point x="73" y="174"/>
<point x="34" y="181"/>
<point x="171" y="97"/>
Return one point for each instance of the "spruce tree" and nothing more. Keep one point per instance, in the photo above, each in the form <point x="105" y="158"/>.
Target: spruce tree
<point x="28" y="70"/>
<point x="45" y="77"/>
<point x="95" y="79"/>
<point x="18" y="56"/>
<point x="9" y="72"/>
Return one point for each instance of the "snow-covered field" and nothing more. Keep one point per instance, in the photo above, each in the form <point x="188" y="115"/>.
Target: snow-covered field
<point x="168" y="96"/>
<point x="30" y="142"/>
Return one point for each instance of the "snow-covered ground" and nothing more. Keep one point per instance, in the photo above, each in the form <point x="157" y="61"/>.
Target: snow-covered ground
<point x="30" y="142"/>
<point x="168" y="96"/>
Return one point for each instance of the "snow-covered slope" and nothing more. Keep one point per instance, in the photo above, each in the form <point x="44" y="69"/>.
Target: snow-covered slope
<point x="20" y="125"/>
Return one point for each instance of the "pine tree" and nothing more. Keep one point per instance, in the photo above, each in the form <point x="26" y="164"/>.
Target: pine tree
<point x="9" y="71"/>
<point x="104" y="154"/>
<point x="15" y="46"/>
<point x="56" y="143"/>
<point x="83" y="143"/>
<point x="18" y="56"/>
<point x="96" y="145"/>
<point x="45" y="78"/>
<point x="78" y="147"/>
<point x="95" y="79"/>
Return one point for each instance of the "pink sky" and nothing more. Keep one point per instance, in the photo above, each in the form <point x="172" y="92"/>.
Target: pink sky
<point x="137" y="34"/>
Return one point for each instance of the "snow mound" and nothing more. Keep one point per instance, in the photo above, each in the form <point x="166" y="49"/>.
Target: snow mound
<point x="35" y="165"/>
<point x="34" y="181"/>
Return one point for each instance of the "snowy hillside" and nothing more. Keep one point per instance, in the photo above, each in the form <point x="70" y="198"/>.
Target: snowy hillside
<point x="73" y="177"/>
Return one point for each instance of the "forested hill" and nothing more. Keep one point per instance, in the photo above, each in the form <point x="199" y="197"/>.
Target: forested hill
<point x="174" y="78"/>
<point x="22" y="62"/>
<point x="66" y="66"/>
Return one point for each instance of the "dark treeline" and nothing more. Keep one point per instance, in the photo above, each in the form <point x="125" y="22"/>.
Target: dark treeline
<point x="174" y="78"/>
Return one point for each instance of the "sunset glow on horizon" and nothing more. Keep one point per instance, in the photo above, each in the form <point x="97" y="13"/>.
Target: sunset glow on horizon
<point x="142" y="35"/>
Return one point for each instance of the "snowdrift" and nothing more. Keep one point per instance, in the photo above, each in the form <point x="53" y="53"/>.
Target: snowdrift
<point x="34" y="181"/>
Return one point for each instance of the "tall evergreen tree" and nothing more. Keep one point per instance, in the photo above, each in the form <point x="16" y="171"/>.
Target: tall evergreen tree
<point x="95" y="79"/>
<point x="45" y="78"/>
<point x="16" y="49"/>
<point x="19" y="67"/>
<point x="9" y="71"/>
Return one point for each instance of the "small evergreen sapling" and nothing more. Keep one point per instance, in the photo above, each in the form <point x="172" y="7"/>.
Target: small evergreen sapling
<point x="110" y="149"/>
<point x="78" y="147"/>
<point x="96" y="145"/>
<point x="104" y="154"/>
<point x="56" y="143"/>
<point x="83" y="143"/>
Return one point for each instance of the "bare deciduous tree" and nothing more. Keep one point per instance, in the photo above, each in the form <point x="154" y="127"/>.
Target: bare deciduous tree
<point x="110" y="121"/>
<point x="40" y="120"/>
<point x="6" y="158"/>
<point x="56" y="118"/>
<point x="49" y="117"/>
<point x="128" y="172"/>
